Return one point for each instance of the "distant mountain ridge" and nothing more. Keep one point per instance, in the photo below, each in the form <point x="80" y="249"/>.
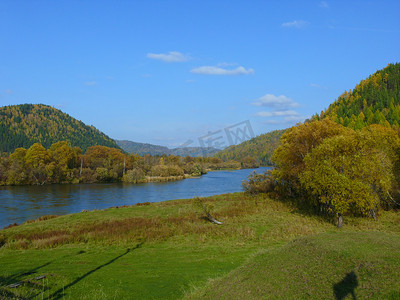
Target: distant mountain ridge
<point x="144" y="148"/>
<point x="25" y="124"/>
<point x="260" y="147"/>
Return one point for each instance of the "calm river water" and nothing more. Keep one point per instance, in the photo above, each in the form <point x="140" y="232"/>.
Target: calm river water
<point x="21" y="203"/>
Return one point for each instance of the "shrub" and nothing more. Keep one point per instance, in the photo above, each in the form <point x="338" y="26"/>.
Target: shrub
<point x="259" y="183"/>
<point x="165" y="171"/>
<point x="104" y="175"/>
<point x="133" y="176"/>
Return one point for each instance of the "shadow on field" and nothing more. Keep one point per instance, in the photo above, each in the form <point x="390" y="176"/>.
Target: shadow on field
<point x="61" y="292"/>
<point x="346" y="286"/>
<point x="16" y="280"/>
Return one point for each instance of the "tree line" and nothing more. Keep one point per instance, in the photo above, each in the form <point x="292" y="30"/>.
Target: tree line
<point x="63" y="163"/>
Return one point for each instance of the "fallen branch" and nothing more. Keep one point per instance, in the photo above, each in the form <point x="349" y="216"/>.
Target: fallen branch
<point x="212" y="219"/>
<point x="206" y="208"/>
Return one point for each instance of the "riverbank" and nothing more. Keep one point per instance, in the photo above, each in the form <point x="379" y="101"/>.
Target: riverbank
<point x="21" y="203"/>
<point x="169" y="250"/>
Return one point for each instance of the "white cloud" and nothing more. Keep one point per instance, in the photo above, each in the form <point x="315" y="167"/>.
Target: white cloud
<point x="211" y="70"/>
<point x="279" y="113"/>
<point x="225" y="64"/>
<point x="318" y="86"/>
<point x="295" y="24"/>
<point x="91" y="83"/>
<point x="278" y="102"/>
<point x="173" y="56"/>
<point x="323" y="4"/>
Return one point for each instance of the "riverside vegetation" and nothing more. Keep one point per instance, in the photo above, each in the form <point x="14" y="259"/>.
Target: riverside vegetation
<point x="62" y="163"/>
<point x="169" y="250"/>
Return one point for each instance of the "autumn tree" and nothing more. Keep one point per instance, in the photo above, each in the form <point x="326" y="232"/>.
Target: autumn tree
<point x="296" y="143"/>
<point x="65" y="159"/>
<point x="350" y="173"/>
<point x="39" y="164"/>
<point x="17" y="172"/>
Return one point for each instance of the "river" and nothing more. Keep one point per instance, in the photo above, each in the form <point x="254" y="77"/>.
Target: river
<point x="21" y="203"/>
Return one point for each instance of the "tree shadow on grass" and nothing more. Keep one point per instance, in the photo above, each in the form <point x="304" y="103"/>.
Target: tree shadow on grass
<point x="7" y="283"/>
<point x="60" y="293"/>
<point x="346" y="286"/>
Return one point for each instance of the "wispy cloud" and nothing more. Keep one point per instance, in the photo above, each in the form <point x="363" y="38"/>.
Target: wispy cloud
<point x="296" y="24"/>
<point x="323" y="4"/>
<point x="212" y="70"/>
<point x="8" y="91"/>
<point x="90" y="83"/>
<point x="173" y="56"/>
<point x="318" y="86"/>
<point x="279" y="113"/>
<point x="277" y="102"/>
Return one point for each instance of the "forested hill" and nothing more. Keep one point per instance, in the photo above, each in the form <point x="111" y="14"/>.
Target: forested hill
<point x="375" y="100"/>
<point x="26" y="124"/>
<point x="260" y="148"/>
<point x="143" y="149"/>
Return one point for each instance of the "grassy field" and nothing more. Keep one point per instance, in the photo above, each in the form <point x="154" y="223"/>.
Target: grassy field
<point x="168" y="250"/>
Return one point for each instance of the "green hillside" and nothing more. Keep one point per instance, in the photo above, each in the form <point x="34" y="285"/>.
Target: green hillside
<point x="260" y="147"/>
<point x="26" y="124"/>
<point x="375" y="100"/>
<point x="333" y="265"/>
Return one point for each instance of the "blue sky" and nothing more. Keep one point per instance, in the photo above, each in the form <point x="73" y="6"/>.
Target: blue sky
<point x="165" y="72"/>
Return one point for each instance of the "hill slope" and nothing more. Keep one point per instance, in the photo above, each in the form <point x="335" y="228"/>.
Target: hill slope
<point x="260" y="147"/>
<point x="26" y="124"/>
<point x="143" y="149"/>
<point x="375" y="100"/>
<point x="334" y="265"/>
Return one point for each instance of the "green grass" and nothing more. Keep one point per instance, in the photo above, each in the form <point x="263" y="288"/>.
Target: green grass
<point x="329" y="265"/>
<point x="167" y="251"/>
